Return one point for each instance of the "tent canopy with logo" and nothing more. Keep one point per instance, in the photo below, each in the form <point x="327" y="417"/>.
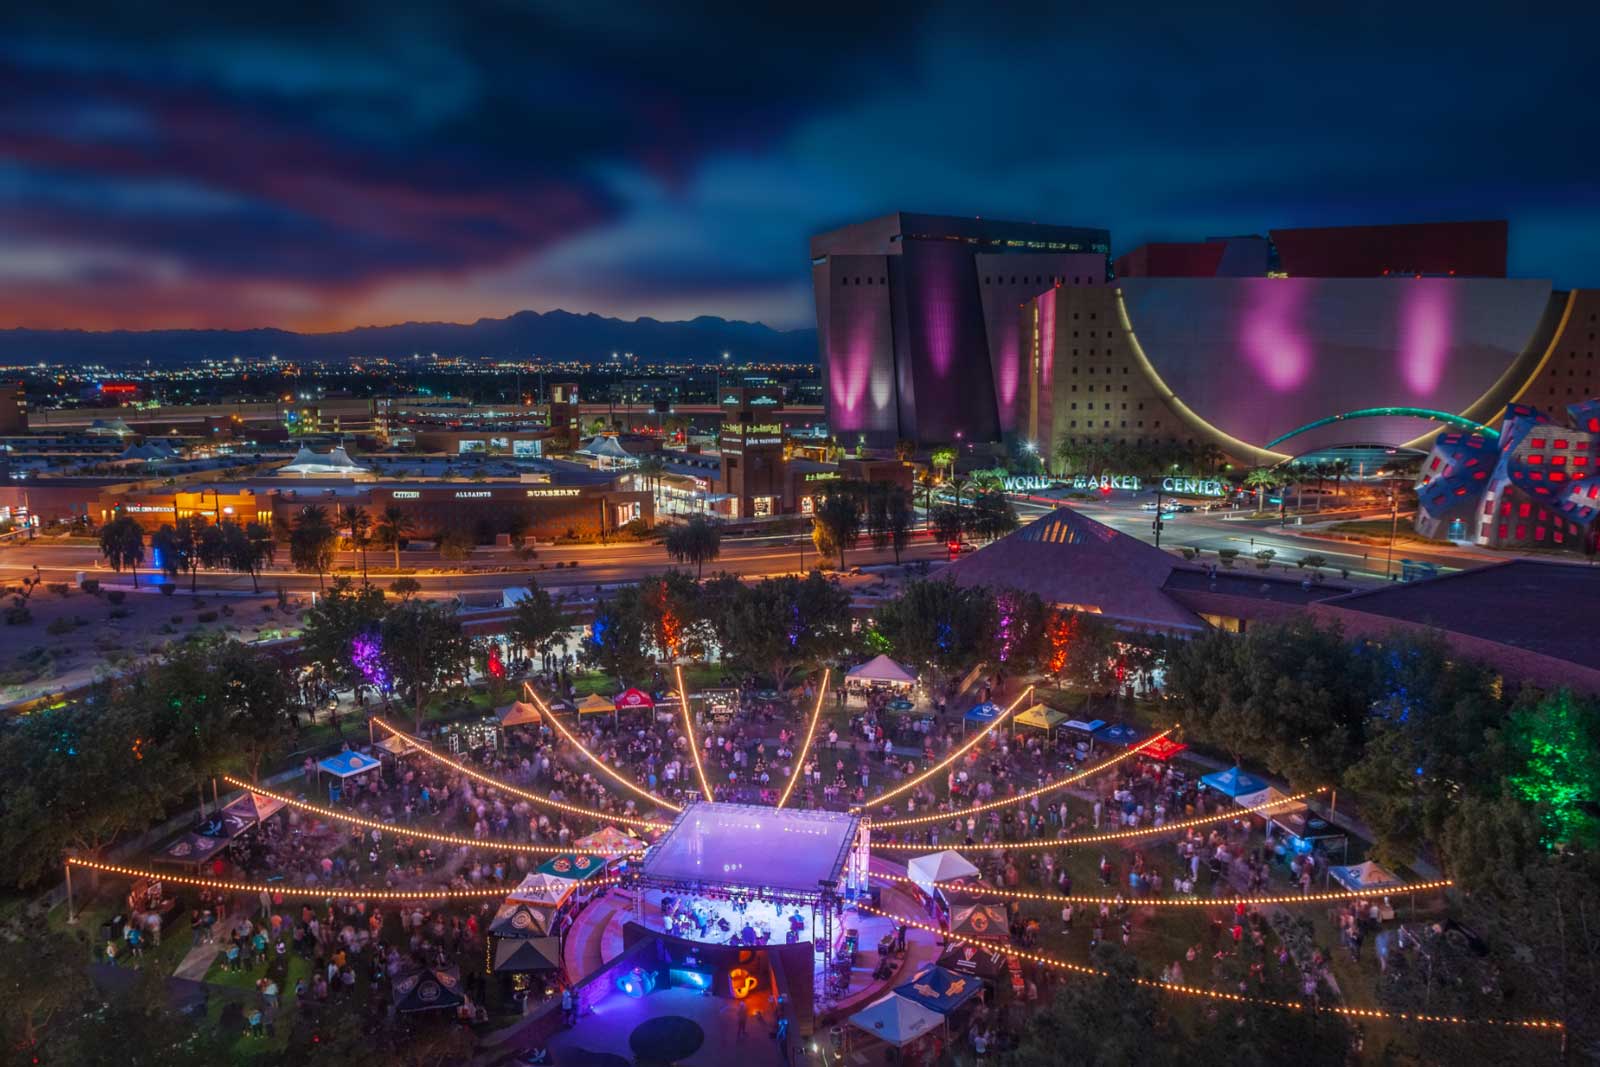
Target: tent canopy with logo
<point x="1163" y="749"/>
<point x="946" y="866"/>
<point x="517" y="713"/>
<point x="573" y="868"/>
<point x="254" y="807"/>
<point x="979" y="919"/>
<point x="1121" y="733"/>
<point x="1041" y="717"/>
<point x="634" y="700"/>
<point x="896" y="1020"/>
<point x="191" y="848"/>
<point x="980" y="715"/>
<point x="544" y="889"/>
<point x="348" y="764"/>
<point x="595" y="704"/>
<point x="1233" y="782"/>
<point x="398" y="745"/>
<point x="976" y="960"/>
<point x="1366" y="876"/>
<point x="519" y="955"/>
<point x="943" y="991"/>
<point x="517" y="919"/>
<point x="428" y="989"/>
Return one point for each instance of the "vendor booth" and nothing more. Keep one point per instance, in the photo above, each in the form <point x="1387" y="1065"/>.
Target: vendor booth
<point x="635" y="700"/>
<point x="428" y="989"/>
<point x="980" y="920"/>
<point x="1233" y="782"/>
<point x="396" y="746"/>
<point x="980" y="716"/>
<point x="516" y="919"/>
<point x="610" y="839"/>
<point x="941" y="990"/>
<point x="595" y="704"/>
<point x="946" y="866"/>
<point x="978" y="961"/>
<point x="517" y="713"/>
<point x="897" y="1021"/>
<point x="1366" y="877"/>
<point x="530" y="955"/>
<point x="1081" y="734"/>
<point x="542" y="889"/>
<point x="1163" y="749"/>
<point x="878" y="674"/>
<point x="1039" y="717"/>
<point x="343" y="769"/>
<point x="1121" y="733"/>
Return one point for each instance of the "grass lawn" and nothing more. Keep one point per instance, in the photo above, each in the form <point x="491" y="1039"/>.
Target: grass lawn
<point x="1378" y="529"/>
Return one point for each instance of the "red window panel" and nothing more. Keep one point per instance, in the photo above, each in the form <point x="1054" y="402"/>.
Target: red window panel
<point x="1524" y="510"/>
<point x="1580" y="461"/>
<point x="1488" y="507"/>
<point x="1522" y="532"/>
<point x="1502" y="531"/>
<point x="1544" y="516"/>
<point x="1583" y="446"/>
<point x="1534" y="460"/>
<point x="1536" y="442"/>
<point x="1558" y="476"/>
<point x="1558" y="461"/>
<point x="1505" y="507"/>
<point x="1559" y="538"/>
<point x="1594" y="491"/>
<point x="1435" y="464"/>
<point x="1480" y="476"/>
<point x="1594" y="427"/>
<point x="1560" y="443"/>
<point x="1538" y="533"/>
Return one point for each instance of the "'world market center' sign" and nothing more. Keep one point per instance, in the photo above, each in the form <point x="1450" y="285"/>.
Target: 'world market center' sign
<point x="1181" y="486"/>
<point x="1105" y="482"/>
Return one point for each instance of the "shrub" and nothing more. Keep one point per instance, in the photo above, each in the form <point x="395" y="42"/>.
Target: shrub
<point x="18" y="616"/>
<point x="168" y="588"/>
<point x="58" y="627"/>
<point x="177" y="620"/>
<point x="206" y="616"/>
<point x="116" y="596"/>
<point x="227" y="609"/>
<point x="59" y="588"/>
<point x="120" y="613"/>
<point x="90" y="586"/>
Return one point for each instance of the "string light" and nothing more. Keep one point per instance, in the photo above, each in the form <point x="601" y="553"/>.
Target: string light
<point x="688" y="730"/>
<point x="426" y="835"/>
<point x="1119" y="835"/>
<point x="325" y="891"/>
<point x="1215" y="994"/>
<point x="1172" y="902"/>
<point x="596" y="760"/>
<point x="1048" y="787"/>
<point x="942" y="764"/>
<point x="811" y="732"/>
<point x="479" y="776"/>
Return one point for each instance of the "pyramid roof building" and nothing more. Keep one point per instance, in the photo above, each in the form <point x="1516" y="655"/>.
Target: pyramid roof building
<point x="1071" y="561"/>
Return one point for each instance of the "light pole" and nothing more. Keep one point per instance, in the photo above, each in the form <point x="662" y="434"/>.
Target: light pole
<point x="1394" y="526"/>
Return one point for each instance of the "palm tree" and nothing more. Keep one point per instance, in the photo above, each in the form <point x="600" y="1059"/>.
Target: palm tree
<point x="122" y="544"/>
<point x="1210" y="458"/>
<point x="1261" y="479"/>
<point x="312" y="542"/>
<point x="651" y="468"/>
<point x="391" y="529"/>
<point x="1339" y="469"/>
<point x="697" y="541"/>
<point x="359" y="523"/>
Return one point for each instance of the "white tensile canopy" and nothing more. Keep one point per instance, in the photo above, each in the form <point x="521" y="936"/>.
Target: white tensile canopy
<point x="946" y="866"/>
<point x="881" y="670"/>
<point x="896" y="1019"/>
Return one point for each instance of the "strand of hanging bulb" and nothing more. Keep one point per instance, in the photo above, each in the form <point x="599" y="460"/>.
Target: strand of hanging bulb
<point x="1048" y="787"/>
<point x="688" y="732"/>
<point x="1119" y="835"/>
<point x="426" y="835"/>
<point x="1212" y="994"/>
<point x="572" y="739"/>
<point x="967" y="889"/>
<point x="479" y="776"/>
<point x="942" y="764"/>
<point x="811" y="733"/>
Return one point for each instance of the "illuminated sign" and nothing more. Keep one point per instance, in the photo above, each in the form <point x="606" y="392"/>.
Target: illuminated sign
<point x="473" y="494"/>
<point x="1194" y="486"/>
<point x="758" y="427"/>
<point x="147" y="509"/>
<point x="405" y="494"/>
<point x="1106" y="481"/>
<point x="554" y="492"/>
<point x="763" y="401"/>
<point x="822" y="476"/>
<point x="1028" y="483"/>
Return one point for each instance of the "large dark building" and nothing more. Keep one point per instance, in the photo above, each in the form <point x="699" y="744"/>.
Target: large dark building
<point x="917" y="321"/>
<point x="1465" y="249"/>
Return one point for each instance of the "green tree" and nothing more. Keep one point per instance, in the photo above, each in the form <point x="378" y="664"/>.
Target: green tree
<point x="339" y="616"/>
<point x="697" y="540"/>
<point x="122" y="545"/>
<point x="164" y="547"/>
<point x="900" y="517"/>
<point x="778" y="626"/>
<point x="358" y="528"/>
<point x="949" y="522"/>
<point x="405" y="588"/>
<point x="1095" y="1021"/>
<point x="992" y="515"/>
<point x="615" y="644"/>
<point x="424" y="647"/>
<point x="312" y="542"/>
<point x="455" y="545"/>
<point x="255" y="552"/>
<point x="1262" y="479"/>
<point x="538" y="622"/>
<point x="836" y="525"/>
<point x="941" y="626"/>
<point x="44" y="987"/>
<point x="391" y="530"/>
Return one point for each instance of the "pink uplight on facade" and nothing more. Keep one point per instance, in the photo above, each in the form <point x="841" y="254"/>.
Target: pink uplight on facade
<point x="1425" y="334"/>
<point x="1271" y="334"/>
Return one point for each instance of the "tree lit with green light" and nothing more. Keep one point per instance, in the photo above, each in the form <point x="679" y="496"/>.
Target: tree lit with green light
<point x="1557" y="740"/>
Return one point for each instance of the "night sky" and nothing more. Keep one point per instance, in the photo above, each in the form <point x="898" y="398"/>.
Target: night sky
<point x="361" y="164"/>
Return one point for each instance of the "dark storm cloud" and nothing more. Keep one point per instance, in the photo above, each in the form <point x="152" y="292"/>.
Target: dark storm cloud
<point x="328" y="161"/>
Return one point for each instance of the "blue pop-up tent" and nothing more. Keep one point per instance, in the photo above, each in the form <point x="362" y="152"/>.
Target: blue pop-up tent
<point x="981" y="716"/>
<point x="1120" y="733"/>
<point x="1233" y="782"/>
<point x="943" y="991"/>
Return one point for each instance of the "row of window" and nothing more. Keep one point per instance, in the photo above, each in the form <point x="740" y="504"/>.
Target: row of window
<point x="1090" y="406"/>
<point x="1039" y="279"/>
<point x="1088" y="424"/>
<point x="844" y="280"/>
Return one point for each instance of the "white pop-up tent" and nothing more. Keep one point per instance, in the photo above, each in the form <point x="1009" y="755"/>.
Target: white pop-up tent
<point x="946" y="866"/>
<point x="897" y="1020"/>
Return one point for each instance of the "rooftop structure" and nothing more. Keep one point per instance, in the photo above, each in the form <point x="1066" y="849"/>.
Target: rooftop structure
<point x="773" y="849"/>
